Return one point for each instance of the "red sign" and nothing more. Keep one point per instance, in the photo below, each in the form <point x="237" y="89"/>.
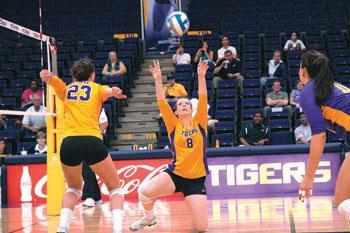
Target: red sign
<point x="27" y="183"/>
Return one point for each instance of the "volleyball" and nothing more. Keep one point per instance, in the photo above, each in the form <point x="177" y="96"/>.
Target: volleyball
<point x="178" y="23"/>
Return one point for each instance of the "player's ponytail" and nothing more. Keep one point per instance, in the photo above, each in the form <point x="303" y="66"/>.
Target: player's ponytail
<point x="318" y="67"/>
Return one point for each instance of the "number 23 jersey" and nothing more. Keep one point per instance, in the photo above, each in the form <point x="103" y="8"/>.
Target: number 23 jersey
<point x="82" y="106"/>
<point x="188" y="145"/>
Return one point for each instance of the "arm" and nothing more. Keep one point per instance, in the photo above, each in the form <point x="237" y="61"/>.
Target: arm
<point x="27" y="126"/>
<point x="103" y="127"/>
<point x="218" y="67"/>
<point x="174" y="58"/>
<point x="286" y="46"/>
<point x="196" y="58"/>
<point x="202" y="109"/>
<point x="292" y="102"/>
<point x="105" y="71"/>
<point x="242" y="136"/>
<point x="243" y="141"/>
<point x="106" y="92"/>
<point x="211" y="55"/>
<point x="55" y="82"/>
<point x="168" y="115"/>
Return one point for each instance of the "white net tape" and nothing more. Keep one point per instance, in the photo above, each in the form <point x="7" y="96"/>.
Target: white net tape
<point x="23" y="113"/>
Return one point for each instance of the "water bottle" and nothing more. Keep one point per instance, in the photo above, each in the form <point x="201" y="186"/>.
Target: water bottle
<point x="23" y="152"/>
<point x="26" y="186"/>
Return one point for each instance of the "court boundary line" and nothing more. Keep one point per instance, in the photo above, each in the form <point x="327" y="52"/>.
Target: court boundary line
<point x="291" y="221"/>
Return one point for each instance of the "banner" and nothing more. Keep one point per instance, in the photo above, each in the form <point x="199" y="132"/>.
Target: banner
<point x="268" y="175"/>
<point x="230" y="177"/>
<point x="157" y="35"/>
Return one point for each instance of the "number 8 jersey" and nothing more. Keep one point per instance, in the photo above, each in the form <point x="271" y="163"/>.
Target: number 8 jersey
<point x="82" y="106"/>
<point x="188" y="145"/>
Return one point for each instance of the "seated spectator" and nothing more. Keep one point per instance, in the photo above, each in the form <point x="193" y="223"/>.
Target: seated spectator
<point x="294" y="44"/>
<point x="255" y="134"/>
<point x="275" y="68"/>
<point x="180" y="57"/>
<point x="27" y="96"/>
<point x="295" y="95"/>
<point x="114" y="70"/>
<point x="35" y="123"/>
<point x="40" y="147"/>
<point x="276" y="98"/>
<point x="206" y="54"/>
<point x="303" y="132"/>
<point x="228" y="68"/>
<point x="173" y="89"/>
<point x="211" y="121"/>
<point x="4" y="149"/>
<point x="225" y="42"/>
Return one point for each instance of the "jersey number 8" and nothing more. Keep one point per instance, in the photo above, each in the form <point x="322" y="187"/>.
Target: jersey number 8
<point x="189" y="142"/>
<point x="73" y="90"/>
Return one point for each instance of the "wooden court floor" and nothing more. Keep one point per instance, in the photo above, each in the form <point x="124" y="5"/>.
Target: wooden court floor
<point x="234" y="215"/>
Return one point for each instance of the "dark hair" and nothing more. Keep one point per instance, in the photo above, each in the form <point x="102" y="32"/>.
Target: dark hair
<point x="258" y="112"/>
<point x="222" y="38"/>
<point x="300" y="114"/>
<point x="276" y="81"/>
<point x="170" y="76"/>
<point x="202" y="43"/>
<point x="228" y="51"/>
<point x="318" y="67"/>
<point x="82" y="69"/>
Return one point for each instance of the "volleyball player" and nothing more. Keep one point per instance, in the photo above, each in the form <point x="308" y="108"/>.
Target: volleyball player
<point x="189" y="168"/>
<point x="326" y="104"/>
<point x="83" y="139"/>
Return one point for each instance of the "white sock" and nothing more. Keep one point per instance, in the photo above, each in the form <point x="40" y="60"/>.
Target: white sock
<point x="66" y="215"/>
<point x="149" y="214"/>
<point x="344" y="208"/>
<point x="117" y="217"/>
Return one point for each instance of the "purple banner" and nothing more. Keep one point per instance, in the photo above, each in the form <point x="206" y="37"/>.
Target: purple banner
<point x="268" y="175"/>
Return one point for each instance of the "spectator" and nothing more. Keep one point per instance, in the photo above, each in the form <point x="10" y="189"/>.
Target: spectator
<point x="228" y="68"/>
<point x="303" y="132"/>
<point x="91" y="191"/>
<point x="173" y="89"/>
<point x="4" y="149"/>
<point x="294" y="44"/>
<point x="205" y="53"/>
<point x="35" y="123"/>
<point x="3" y="122"/>
<point x="211" y="121"/>
<point x="295" y="95"/>
<point x="226" y="46"/>
<point x="255" y="134"/>
<point x="276" y="98"/>
<point x="40" y="147"/>
<point x="275" y="68"/>
<point x="27" y="96"/>
<point x="180" y="57"/>
<point x="114" y="70"/>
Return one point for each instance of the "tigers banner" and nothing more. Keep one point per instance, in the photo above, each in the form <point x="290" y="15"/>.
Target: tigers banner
<point x="157" y="35"/>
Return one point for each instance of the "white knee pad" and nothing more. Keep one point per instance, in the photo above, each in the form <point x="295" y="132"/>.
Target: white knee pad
<point x="116" y="191"/>
<point x="344" y="208"/>
<point x="144" y="199"/>
<point x="75" y="191"/>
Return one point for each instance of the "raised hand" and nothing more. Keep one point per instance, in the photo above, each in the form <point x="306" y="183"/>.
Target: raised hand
<point x="155" y="70"/>
<point x="202" y="68"/>
<point x="46" y="76"/>
<point x="118" y="93"/>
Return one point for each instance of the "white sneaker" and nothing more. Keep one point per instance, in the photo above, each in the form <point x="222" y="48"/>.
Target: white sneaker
<point x="89" y="202"/>
<point x="62" y="230"/>
<point x="142" y="222"/>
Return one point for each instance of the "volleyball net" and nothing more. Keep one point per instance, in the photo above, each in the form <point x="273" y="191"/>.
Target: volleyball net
<point x="54" y="115"/>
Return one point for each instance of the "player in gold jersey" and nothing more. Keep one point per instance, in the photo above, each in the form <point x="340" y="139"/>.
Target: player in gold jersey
<point x="189" y="168"/>
<point x="82" y="141"/>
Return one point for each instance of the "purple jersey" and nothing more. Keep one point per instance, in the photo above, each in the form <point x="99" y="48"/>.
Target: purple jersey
<point x="333" y="114"/>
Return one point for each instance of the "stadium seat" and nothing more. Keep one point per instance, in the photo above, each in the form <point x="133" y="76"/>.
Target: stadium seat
<point x="225" y="127"/>
<point x="281" y="138"/>
<point x="225" y="139"/>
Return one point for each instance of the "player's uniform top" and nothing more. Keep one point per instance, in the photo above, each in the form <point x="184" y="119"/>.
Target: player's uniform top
<point x="188" y="145"/>
<point x="82" y="106"/>
<point x="333" y="114"/>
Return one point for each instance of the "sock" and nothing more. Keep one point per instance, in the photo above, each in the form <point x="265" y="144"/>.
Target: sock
<point x="117" y="217"/>
<point x="344" y="208"/>
<point x="149" y="214"/>
<point x="66" y="215"/>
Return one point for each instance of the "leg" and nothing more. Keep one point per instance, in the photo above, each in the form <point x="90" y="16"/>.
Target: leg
<point x="72" y="175"/>
<point x="198" y="206"/>
<point x="106" y="170"/>
<point x="240" y="80"/>
<point x="342" y="188"/>
<point x="160" y="185"/>
<point x="266" y="110"/>
<point x="214" y="83"/>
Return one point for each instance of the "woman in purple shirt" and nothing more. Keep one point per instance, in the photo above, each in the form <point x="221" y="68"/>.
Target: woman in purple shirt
<point x="326" y="105"/>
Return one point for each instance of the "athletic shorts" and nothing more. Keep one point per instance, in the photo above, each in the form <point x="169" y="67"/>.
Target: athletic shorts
<point x="76" y="149"/>
<point x="188" y="186"/>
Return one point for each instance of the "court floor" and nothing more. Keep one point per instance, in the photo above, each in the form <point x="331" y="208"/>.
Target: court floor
<point x="233" y="215"/>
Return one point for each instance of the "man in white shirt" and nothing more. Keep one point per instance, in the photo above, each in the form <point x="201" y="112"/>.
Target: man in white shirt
<point x="103" y="121"/>
<point x="226" y="46"/>
<point x="294" y="44"/>
<point x="35" y="123"/>
<point x="180" y="57"/>
<point x="303" y="132"/>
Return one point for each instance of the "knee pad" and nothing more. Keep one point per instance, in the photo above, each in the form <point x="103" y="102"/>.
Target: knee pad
<point x="344" y="208"/>
<point x="75" y="191"/>
<point x="116" y="191"/>
<point x="144" y="199"/>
